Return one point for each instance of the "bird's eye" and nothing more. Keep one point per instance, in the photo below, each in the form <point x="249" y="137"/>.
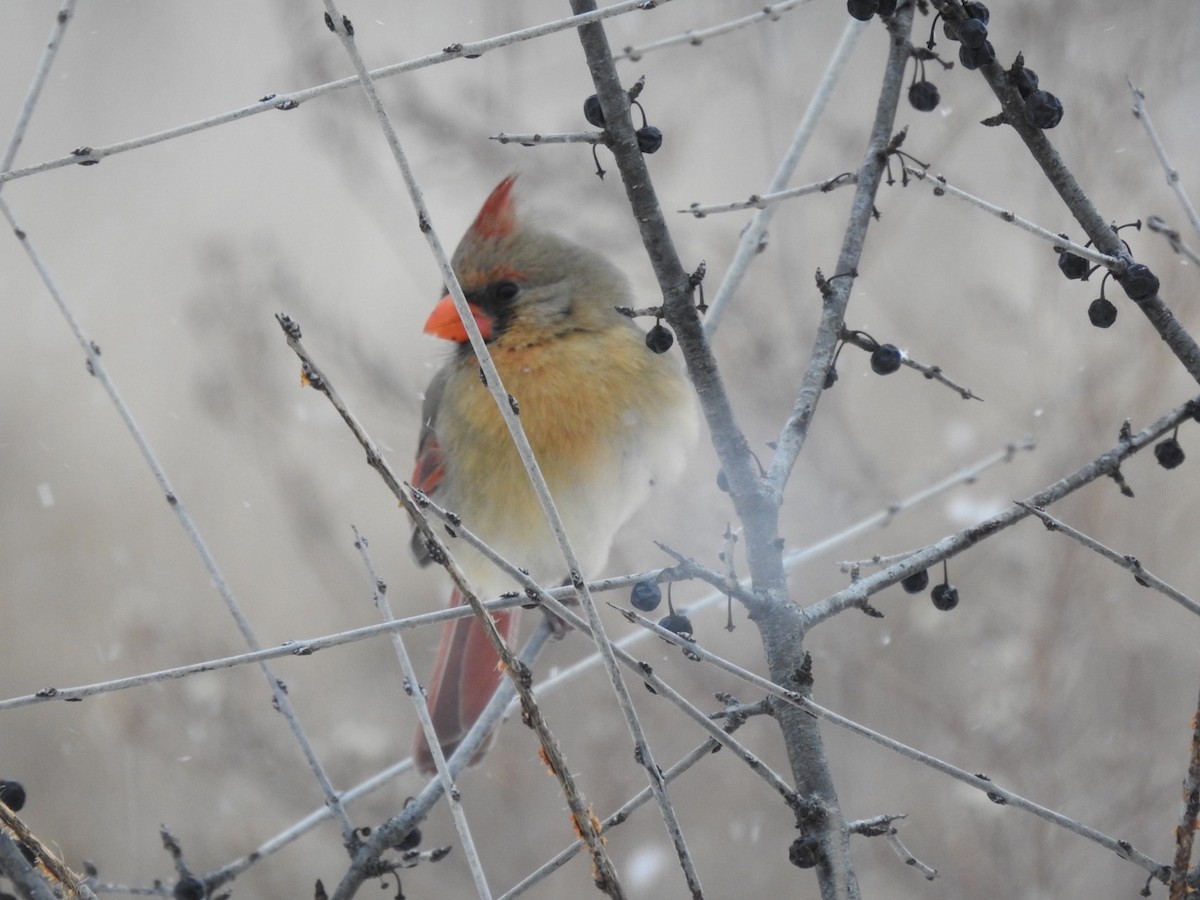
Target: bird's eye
<point x="506" y="291"/>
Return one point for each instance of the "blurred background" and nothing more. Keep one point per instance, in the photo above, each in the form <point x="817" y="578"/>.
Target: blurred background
<point x="1057" y="675"/>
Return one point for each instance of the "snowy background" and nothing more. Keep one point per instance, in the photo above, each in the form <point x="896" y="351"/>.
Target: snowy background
<point x="1057" y="675"/>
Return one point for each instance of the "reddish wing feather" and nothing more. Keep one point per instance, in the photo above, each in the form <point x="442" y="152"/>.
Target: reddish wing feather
<point x="465" y="675"/>
<point x="430" y="467"/>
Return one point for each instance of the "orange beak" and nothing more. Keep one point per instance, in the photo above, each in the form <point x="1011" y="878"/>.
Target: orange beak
<point x="444" y="322"/>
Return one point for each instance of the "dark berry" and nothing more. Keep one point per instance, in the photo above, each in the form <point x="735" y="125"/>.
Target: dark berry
<point x="1025" y="81"/>
<point x="1043" y="109"/>
<point x="1168" y="453"/>
<point x="805" y="852"/>
<point x="592" y="111"/>
<point x="12" y="794"/>
<point x="973" y="33"/>
<point x="945" y="596"/>
<point x="974" y="57"/>
<point x="1102" y="312"/>
<point x="410" y="841"/>
<point x="885" y="359"/>
<point x="977" y="11"/>
<point x="676" y="622"/>
<point x="722" y="482"/>
<point x="887" y="7"/>
<point x="916" y="582"/>
<point x="924" y="96"/>
<point x="659" y="338"/>
<point x="1138" y="281"/>
<point x="646" y="596"/>
<point x="831" y="378"/>
<point x="1074" y="267"/>
<point x="862" y="9"/>
<point x="189" y="888"/>
<point x="649" y="139"/>
<point x="950" y="30"/>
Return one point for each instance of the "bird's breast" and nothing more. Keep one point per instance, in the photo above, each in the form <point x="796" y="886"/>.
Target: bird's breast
<point x="597" y="410"/>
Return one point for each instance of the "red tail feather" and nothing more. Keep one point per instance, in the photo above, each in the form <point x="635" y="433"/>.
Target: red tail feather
<point x="465" y="675"/>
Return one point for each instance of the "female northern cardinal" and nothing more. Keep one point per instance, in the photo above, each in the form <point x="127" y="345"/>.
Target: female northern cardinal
<point x="606" y="418"/>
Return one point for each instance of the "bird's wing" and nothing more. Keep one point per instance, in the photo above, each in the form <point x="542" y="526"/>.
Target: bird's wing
<point x="430" y="466"/>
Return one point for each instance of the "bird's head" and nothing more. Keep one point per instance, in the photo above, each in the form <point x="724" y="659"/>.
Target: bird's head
<point x="524" y="283"/>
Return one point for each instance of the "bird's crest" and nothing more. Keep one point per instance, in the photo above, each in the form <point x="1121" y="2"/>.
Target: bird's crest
<point x="498" y="215"/>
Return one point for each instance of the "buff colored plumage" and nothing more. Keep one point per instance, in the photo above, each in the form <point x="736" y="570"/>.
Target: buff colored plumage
<point x="605" y="416"/>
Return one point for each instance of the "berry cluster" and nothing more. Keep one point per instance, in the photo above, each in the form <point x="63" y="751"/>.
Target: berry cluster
<point x="647" y="597"/>
<point x="944" y="595"/>
<point x="1135" y="278"/>
<point x="649" y="138"/>
<point x="1042" y="109"/>
<point x="974" y="48"/>
<point x="974" y="51"/>
<point x="863" y="10"/>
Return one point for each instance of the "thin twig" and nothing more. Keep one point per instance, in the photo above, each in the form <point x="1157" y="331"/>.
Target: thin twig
<point x="697" y="36"/>
<point x="65" y="11"/>
<point x="1126" y="561"/>
<point x="386" y="835"/>
<point x="995" y="792"/>
<point x="413" y="689"/>
<point x="983" y="783"/>
<point x="301" y="647"/>
<point x="1157" y="225"/>
<point x="292" y="100"/>
<point x="770" y="198"/>
<point x="836" y="290"/>
<point x="726" y="582"/>
<point x="884" y="517"/>
<point x="530" y="140"/>
<point x="933" y="373"/>
<point x="753" y="239"/>
<point x="1142" y="114"/>
<point x="735" y="716"/>
<point x="940" y="187"/>
<point x="1106" y="464"/>
<point x="96" y="368"/>
<point x="644" y="796"/>
<point x="906" y="856"/>
<point x="752" y="760"/>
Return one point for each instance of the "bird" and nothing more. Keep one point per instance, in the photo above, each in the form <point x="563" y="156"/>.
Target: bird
<point x="607" y="418"/>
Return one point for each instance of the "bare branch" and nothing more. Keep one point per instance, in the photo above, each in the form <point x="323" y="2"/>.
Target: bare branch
<point x="1142" y="114"/>
<point x="1125" y="561"/>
